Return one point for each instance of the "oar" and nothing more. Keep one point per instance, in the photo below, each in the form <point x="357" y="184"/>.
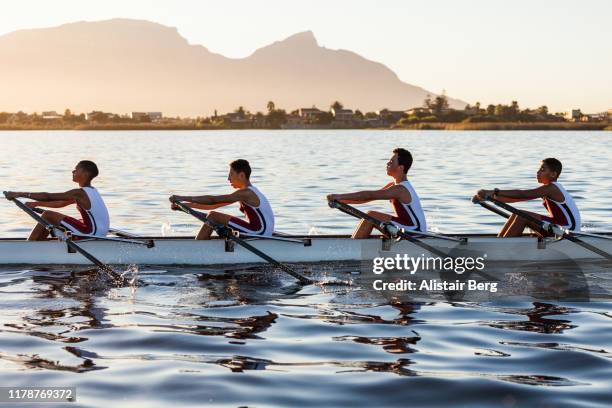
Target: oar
<point x="490" y="207"/>
<point x="385" y="226"/>
<point x="551" y="228"/>
<point x="227" y="233"/>
<point x="69" y="241"/>
<point x="123" y="237"/>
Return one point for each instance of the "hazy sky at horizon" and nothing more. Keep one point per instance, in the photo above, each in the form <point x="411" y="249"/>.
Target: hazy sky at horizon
<point x="546" y="52"/>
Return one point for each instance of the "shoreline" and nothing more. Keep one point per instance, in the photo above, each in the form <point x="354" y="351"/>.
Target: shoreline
<point x="582" y="126"/>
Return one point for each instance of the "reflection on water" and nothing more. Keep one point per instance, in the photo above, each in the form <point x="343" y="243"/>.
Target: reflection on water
<point x="248" y="336"/>
<point x="205" y="328"/>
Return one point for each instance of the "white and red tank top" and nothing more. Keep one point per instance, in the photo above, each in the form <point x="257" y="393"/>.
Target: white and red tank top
<point x="409" y="215"/>
<point x="563" y="213"/>
<point x="96" y="218"/>
<point x="261" y="218"/>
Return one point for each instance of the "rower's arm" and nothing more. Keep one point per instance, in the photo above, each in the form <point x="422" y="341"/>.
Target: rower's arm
<point x="388" y="192"/>
<point x="50" y="204"/>
<point x="206" y="206"/>
<point x="512" y="196"/>
<point x="75" y="195"/>
<point x="209" y="202"/>
<point x="204" y="202"/>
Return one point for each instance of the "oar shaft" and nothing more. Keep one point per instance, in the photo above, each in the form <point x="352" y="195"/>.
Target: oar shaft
<point x="518" y="212"/>
<point x="588" y="246"/>
<point x="32" y="214"/>
<point x="271" y="260"/>
<point x="423" y="245"/>
<point x="226" y="233"/>
<point x="350" y="210"/>
<point x="491" y="208"/>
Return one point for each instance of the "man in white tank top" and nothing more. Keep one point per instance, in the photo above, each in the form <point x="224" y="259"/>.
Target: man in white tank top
<point x="404" y="199"/>
<point x="94" y="215"/>
<point x="259" y="216"/>
<point x="561" y="207"/>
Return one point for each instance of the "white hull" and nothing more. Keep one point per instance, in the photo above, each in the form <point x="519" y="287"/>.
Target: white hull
<point x="186" y="251"/>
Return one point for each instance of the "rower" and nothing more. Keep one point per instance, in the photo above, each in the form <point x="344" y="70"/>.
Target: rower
<point x="561" y="207"/>
<point x="408" y="212"/>
<point x="94" y="214"/>
<point x="259" y="216"/>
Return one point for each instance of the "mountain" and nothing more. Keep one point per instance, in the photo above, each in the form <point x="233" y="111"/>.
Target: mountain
<point x="123" y="65"/>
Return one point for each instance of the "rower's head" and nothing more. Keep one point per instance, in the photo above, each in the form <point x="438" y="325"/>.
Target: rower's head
<point x="84" y="172"/>
<point x="550" y="170"/>
<point x="239" y="173"/>
<point x="399" y="164"/>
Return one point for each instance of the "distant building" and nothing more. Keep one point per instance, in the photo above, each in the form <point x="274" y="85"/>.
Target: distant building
<point x="575" y="115"/>
<point x="293" y="122"/>
<point x="152" y="116"/>
<point x="344" y="116"/>
<point x="51" y="115"/>
<point x="310" y="114"/>
<point x="594" y="117"/>
<point x="389" y="116"/>
<point x="237" y="119"/>
<point x="96" y="115"/>
<point x="372" y="122"/>
<point x="418" y="111"/>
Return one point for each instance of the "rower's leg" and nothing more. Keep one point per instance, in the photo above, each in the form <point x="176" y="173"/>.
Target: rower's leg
<point x="40" y="233"/>
<point x="518" y="226"/>
<point x="507" y="226"/>
<point x="220" y="218"/>
<point x="364" y="228"/>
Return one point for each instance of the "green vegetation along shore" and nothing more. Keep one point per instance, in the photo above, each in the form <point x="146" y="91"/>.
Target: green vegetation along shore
<point x="435" y="114"/>
<point x="419" y="126"/>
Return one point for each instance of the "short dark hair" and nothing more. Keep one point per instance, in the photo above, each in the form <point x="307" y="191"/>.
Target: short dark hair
<point x="404" y="158"/>
<point x="554" y="165"/>
<point x="90" y="167"/>
<point x="241" y="166"/>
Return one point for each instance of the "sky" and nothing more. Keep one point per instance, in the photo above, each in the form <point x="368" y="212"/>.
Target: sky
<point x="554" y="53"/>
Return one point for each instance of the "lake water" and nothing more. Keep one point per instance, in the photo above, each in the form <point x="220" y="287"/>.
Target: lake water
<point x="231" y="337"/>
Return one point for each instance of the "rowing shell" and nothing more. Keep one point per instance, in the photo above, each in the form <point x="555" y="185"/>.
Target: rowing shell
<point x="293" y="249"/>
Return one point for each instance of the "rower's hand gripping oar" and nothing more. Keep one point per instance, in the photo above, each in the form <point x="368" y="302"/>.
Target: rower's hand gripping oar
<point x="390" y="228"/>
<point x="228" y="233"/>
<point x="550" y="228"/>
<point x="69" y="242"/>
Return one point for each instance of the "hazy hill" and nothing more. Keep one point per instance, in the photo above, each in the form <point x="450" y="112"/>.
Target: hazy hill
<point x="129" y="65"/>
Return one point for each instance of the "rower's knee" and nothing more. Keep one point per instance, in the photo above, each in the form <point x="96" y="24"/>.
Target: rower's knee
<point x="214" y="215"/>
<point x="52" y="217"/>
<point x="47" y="215"/>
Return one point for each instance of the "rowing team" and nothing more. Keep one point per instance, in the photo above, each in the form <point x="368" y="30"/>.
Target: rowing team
<point x="259" y="216"/>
